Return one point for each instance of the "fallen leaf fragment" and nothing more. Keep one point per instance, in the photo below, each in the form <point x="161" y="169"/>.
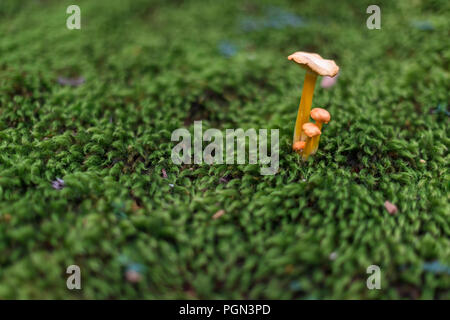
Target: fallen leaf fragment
<point x="333" y="256"/>
<point x="72" y="82"/>
<point x="390" y="207"/>
<point x="135" y="206"/>
<point x="133" y="276"/>
<point x="218" y="214"/>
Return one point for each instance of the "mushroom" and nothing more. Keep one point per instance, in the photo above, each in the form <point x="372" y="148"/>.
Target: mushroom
<point x="299" y="146"/>
<point x="311" y="130"/>
<point x="321" y="116"/>
<point x="315" y="65"/>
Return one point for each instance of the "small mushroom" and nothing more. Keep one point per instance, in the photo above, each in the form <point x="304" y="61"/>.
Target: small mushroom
<point x="321" y="116"/>
<point x="311" y="130"/>
<point x="299" y="146"/>
<point x="315" y="65"/>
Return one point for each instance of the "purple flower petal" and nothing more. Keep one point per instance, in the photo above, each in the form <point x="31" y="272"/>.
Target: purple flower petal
<point x="58" y="184"/>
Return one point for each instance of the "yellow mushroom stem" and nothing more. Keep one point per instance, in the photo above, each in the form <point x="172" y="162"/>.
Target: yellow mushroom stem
<point x="304" y="108"/>
<point x="309" y="147"/>
<point x="315" y="140"/>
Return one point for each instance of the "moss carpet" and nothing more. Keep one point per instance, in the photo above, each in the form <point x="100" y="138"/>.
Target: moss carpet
<point x="96" y="108"/>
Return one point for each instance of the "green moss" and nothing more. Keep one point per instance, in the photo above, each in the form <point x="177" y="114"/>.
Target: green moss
<point x="152" y="67"/>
